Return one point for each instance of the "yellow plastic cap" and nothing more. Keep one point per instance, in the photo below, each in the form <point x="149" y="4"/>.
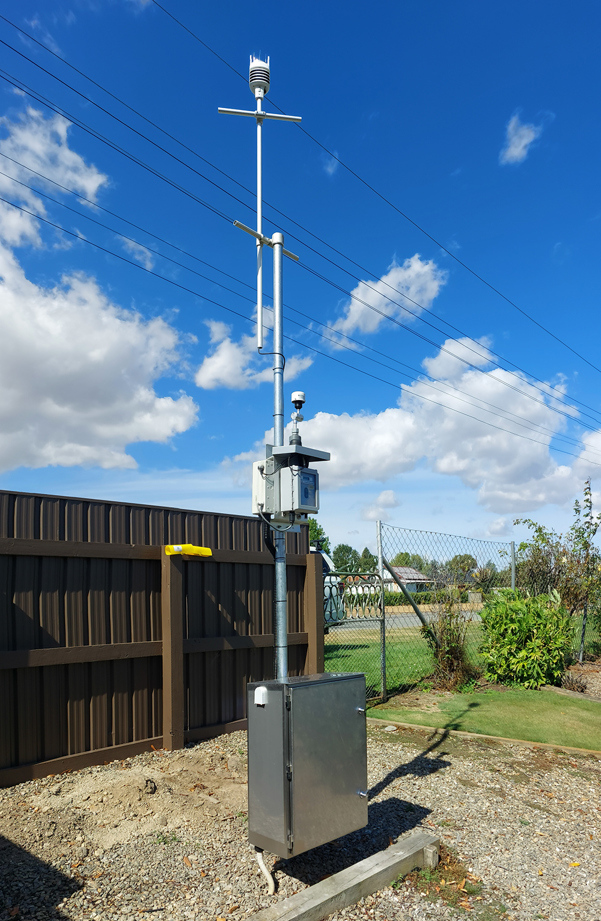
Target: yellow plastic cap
<point x="188" y="549"/>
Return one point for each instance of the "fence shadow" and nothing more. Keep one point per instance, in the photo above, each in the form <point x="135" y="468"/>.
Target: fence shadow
<point x="387" y="820"/>
<point x="422" y="765"/>
<point x="29" y="887"/>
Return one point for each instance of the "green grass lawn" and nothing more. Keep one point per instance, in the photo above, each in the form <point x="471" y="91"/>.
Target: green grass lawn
<point x="408" y="658"/>
<point x="535" y="716"/>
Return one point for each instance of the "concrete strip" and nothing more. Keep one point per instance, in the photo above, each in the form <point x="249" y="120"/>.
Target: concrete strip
<point x="478" y="736"/>
<point x="345" y="888"/>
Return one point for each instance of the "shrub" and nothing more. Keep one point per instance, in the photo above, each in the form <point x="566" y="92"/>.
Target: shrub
<point x="446" y="635"/>
<point x="526" y="640"/>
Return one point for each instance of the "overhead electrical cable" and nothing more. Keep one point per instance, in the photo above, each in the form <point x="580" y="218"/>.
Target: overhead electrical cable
<point x="387" y="201"/>
<point x="430" y="382"/>
<point x="61" y="111"/>
<point x="504" y="411"/>
<point x="19" y="84"/>
<point x="322" y="277"/>
<point x="232" y="179"/>
<point x="170" y="281"/>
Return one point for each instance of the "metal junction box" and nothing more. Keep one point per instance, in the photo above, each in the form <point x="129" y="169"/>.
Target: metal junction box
<point x="307" y="761"/>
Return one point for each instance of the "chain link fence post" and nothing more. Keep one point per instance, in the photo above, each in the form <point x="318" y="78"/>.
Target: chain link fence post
<point x="513" y="565"/>
<point x="383" y="612"/>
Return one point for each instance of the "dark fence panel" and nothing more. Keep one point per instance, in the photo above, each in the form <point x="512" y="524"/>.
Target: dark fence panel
<point x="82" y="615"/>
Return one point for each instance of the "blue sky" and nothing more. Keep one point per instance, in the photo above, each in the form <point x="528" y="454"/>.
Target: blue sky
<point x="478" y="122"/>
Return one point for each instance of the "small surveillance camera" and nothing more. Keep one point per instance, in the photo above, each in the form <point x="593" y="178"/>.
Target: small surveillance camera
<point x="298" y="398"/>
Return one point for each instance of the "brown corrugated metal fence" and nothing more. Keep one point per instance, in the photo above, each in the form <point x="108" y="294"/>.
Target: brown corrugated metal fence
<point x="108" y="646"/>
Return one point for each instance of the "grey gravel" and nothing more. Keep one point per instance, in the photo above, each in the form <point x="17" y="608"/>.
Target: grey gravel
<point x="98" y="844"/>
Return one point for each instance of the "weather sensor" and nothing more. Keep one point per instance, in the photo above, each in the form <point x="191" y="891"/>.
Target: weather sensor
<point x="258" y="77"/>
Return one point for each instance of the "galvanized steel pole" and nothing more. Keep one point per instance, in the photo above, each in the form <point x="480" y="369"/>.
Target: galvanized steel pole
<point x="279" y="538"/>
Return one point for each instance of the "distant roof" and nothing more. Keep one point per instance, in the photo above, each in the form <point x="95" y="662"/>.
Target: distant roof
<point x="408" y="574"/>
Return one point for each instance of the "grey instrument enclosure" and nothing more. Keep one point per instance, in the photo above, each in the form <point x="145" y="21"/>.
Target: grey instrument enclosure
<point x="307" y="761"/>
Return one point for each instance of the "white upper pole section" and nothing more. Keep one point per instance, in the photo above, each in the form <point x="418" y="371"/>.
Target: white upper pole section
<point x="259" y="79"/>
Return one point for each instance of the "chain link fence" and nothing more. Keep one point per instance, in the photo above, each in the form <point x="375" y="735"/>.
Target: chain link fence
<point x="440" y="572"/>
<point x="382" y="625"/>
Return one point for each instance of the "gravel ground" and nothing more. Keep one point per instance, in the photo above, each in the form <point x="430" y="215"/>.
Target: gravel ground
<point x="164" y="834"/>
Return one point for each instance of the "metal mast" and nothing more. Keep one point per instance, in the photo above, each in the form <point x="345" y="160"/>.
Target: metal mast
<point x="259" y="80"/>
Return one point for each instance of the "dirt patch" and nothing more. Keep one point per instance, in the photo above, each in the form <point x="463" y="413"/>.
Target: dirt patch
<point x="428" y="701"/>
<point x="585" y="678"/>
<point x="197" y="787"/>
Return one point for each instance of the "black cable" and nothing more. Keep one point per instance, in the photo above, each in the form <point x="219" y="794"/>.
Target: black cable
<point x="278" y="211"/>
<point x="127" y="125"/>
<point x="323" y="278"/>
<point x="505" y="413"/>
<point x="19" y="84"/>
<point x="388" y="202"/>
<point x="176" y="284"/>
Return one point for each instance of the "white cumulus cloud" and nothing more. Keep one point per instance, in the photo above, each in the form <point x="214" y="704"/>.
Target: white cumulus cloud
<point x="510" y="474"/>
<point x="380" y="510"/>
<point x="237" y="365"/>
<point x="140" y="253"/>
<point x="519" y="137"/>
<point x="77" y="375"/>
<point x="77" y="372"/>
<point x="419" y="279"/>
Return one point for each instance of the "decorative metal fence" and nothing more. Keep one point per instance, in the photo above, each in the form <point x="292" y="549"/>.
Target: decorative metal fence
<point x="354" y="623"/>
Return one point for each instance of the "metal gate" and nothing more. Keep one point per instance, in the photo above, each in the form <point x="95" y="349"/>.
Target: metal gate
<point x="355" y="639"/>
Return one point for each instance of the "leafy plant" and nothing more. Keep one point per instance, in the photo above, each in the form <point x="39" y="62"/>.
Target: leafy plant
<point x="446" y="635"/>
<point x="570" y="563"/>
<point x="317" y="533"/>
<point x="526" y="639"/>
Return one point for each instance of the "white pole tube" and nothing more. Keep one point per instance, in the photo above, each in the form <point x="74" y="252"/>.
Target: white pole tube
<point x="278" y="340"/>
<point x="259" y="228"/>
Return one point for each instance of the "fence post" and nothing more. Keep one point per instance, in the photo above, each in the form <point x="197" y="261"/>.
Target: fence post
<point x="513" y="565"/>
<point x="172" y="611"/>
<point x="383" y="610"/>
<point x="313" y="592"/>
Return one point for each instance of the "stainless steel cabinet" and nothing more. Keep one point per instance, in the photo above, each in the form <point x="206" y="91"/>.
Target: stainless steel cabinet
<point x="307" y="761"/>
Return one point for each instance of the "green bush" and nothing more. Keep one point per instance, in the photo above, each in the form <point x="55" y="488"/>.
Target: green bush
<point x="526" y="640"/>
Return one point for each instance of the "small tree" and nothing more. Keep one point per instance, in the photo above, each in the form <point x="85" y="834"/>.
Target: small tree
<point x="461" y="565"/>
<point x="367" y="561"/>
<point x="414" y="560"/>
<point x="317" y="533"/>
<point x="345" y="558"/>
<point x="569" y="564"/>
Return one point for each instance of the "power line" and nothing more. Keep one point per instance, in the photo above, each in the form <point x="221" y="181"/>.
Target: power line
<point x="19" y="84"/>
<point x="505" y="413"/>
<point x="312" y="249"/>
<point x="138" y="161"/>
<point x="391" y="204"/>
<point x="278" y="211"/>
<point x="170" y="281"/>
<point x="446" y="386"/>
